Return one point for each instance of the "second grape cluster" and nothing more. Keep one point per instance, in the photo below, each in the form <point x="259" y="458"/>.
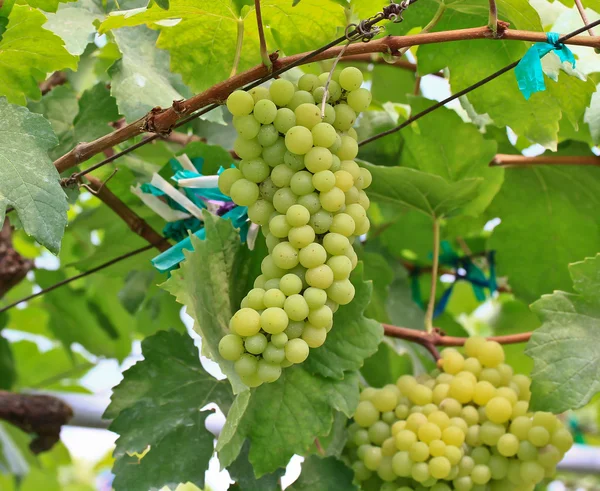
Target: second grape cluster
<point x="301" y="184"/>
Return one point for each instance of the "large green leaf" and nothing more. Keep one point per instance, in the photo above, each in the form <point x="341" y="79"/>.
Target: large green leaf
<point x="285" y="417"/>
<point x="565" y="349"/>
<point x="454" y="155"/>
<point x="320" y="474"/>
<point x="470" y="61"/>
<point x="96" y="110"/>
<point x="59" y="106"/>
<point x="549" y="217"/>
<point x="211" y="283"/>
<point x="386" y="366"/>
<point x="28" y="180"/>
<point x="141" y="79"/>
<point x="27" y="53"/>
<point x="426" y="193"/>
<point x="203" y="43"/>
<point x="242" y="473"/>
<point x="74" y="23"/>
<point x="160" y="404"/>
<point x="352" y="338"/>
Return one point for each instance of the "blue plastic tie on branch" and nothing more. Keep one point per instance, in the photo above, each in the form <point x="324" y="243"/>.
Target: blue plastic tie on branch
<point x="530" y="75"/>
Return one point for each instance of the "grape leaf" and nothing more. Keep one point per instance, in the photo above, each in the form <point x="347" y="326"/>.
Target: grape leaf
<point x="46" y="5"/>
<point x="141" y="79"/>
<point x="203" y="42"/>
<point x="27" y="53"/>
<point x="459" y="154"/>
<point x="242" y="473"/>
<point x="96" y="110"/>
<point x="28" y="180"/>
<point x="285" y="417"/>
<point x="59" y="106"/>
<point x="211" y="283"/>
<point x="324" y="474"/>
<point x="352" y="338"/>
<point x="159" y="404"/>
<point x="549" y="216"/>
<point x="74" y="23"/>
<point x="386" y="366"/>
<point x="565" y="349"/>
<point x="427" y="193"/>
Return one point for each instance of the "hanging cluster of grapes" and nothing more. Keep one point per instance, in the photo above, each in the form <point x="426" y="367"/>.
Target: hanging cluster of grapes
<point x="301" y="184"/>
<point x="464" y="428"/>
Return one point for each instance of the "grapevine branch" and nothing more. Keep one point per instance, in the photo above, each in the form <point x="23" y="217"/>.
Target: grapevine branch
<point x="136" y="223"/>
<point x="40" y="414"/>
<point x="457" y="95"/>
<point x="438" y="338"/>
<point x="504" y="160"/>
<point x="162" y="121"/>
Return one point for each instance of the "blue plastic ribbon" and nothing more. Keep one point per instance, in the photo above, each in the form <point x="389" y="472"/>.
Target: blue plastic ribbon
<point x="530" y="75"/>
<point x="170" y="259"/>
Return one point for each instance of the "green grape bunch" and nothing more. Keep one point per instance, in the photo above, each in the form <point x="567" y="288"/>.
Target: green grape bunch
<point x="299" y="180"/>
<point x="465" y="427"/>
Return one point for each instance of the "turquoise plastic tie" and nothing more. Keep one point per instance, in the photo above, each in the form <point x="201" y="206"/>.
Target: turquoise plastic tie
<point x="530" y="76"/>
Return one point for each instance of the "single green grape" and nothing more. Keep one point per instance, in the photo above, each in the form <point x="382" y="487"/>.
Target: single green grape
<point x="231" y="347"/>
<point x="240" y="103"/>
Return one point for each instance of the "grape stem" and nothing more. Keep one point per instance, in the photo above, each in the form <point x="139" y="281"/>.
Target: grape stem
<point x="584" y="16"/>
<point x="319" y="447"/>
<point x="264" y="54"/>
<point x="437" y="338"/>
<point x="493" y="18"/>
<point x="434" y="276"/>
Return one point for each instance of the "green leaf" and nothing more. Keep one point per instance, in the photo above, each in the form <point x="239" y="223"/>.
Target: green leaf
<point x="28" y="179"/>
<point x="386" y="366"/>
<point x="515" y="317"/>
<point x="211" y="283"/>
<point x="459" y="154"/>
<point x="141" y="79"/>
<point x="285" y="417"/>
<point x="565" y="199"/>
<point x="74" y="23"/>
<point x="96" y="110"/>
<point x="320" y="474"/>
<point x="427" y="193"/>
<point x="203" y="43"/>
<point x="59" y="106"/>
<point x="159" y="404"/>
<point x="27" y="53"/>
<point x="242" y="473"/>
<point x="46" y="5"/>
<point x="230" y="442"/>
<point x="565" y="349"/>
<point x="71" y="308"/>
<point x="7" y="362"/>
<point x="392" y="83"/>
<point x="352" y="338"/>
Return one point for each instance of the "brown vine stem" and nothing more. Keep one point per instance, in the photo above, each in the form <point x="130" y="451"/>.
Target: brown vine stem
<point x="438" y="338"/>
<point x="584" y="16"/>
<point x="136" y="223"/>
<point x="504" y="160"/>
<point x="162" y="121"/>
<point x="434" y="276"/>
<point x="264" y="54"/>
<point x="493" y="18"/>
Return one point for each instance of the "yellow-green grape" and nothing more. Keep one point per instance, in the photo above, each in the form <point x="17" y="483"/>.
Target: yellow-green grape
<point x="285" y="119"/>
<point x="324" y="134"/>
<point x="351" y="78"/>
<point x="260" y="212"/>
<point x="296" y="308"/>
<point x="268" y="372"/>
<point x="314" y="336"/>
<point x="348" y="149"/>
<point x="247" y="149"/>
<point x="256" y="344"/>
<point x="321" y="221"/>
<point x="290" y="284"/>
<point x="315" y="297"/>
<point x="259" y="93"/>
<point x="246" y="365"/>
<point x="297" y="215"/>
<point x="301" y="183"/>
<point x="343" y="224"/>
<point x="274" y="320"/>
<point x="240" y="103"/>
<point x="255" y="170"/>
<point x="323" y="180"/>
<point x="231" y="347"/>
<point x="299" y="140"/>
<point x="320" y="317"/>
<point x="285" y="255"/>
<point x="341" y="267"/>
<point x="281" y="175"/>
<point x="245" y="322"/>
<point x="265" y="111"/>
<point x="320" y="276"/>
<point x="273" y="154"/>
<point x="227" y="178"/>
<point x="246" y="126"/>
<point x="307" y="115"/>
<point x="296" y="350"/>
<point x="332" y="200"/>
<point x="318" y="159"/>
<point x="279" y="226"/>
<point x="281" y="91"/>
<point x="359" y="99"/>
<point x="301" y="237"/>
<point x="345" y="117"/>
<point x="308" y="82"/>
<point x="283" y="199"/>
<point x="312" y="255"/>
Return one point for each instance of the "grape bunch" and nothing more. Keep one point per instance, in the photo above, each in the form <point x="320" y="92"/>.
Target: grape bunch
<point x="466" y="427"/>
<point x="301" y="184"/>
